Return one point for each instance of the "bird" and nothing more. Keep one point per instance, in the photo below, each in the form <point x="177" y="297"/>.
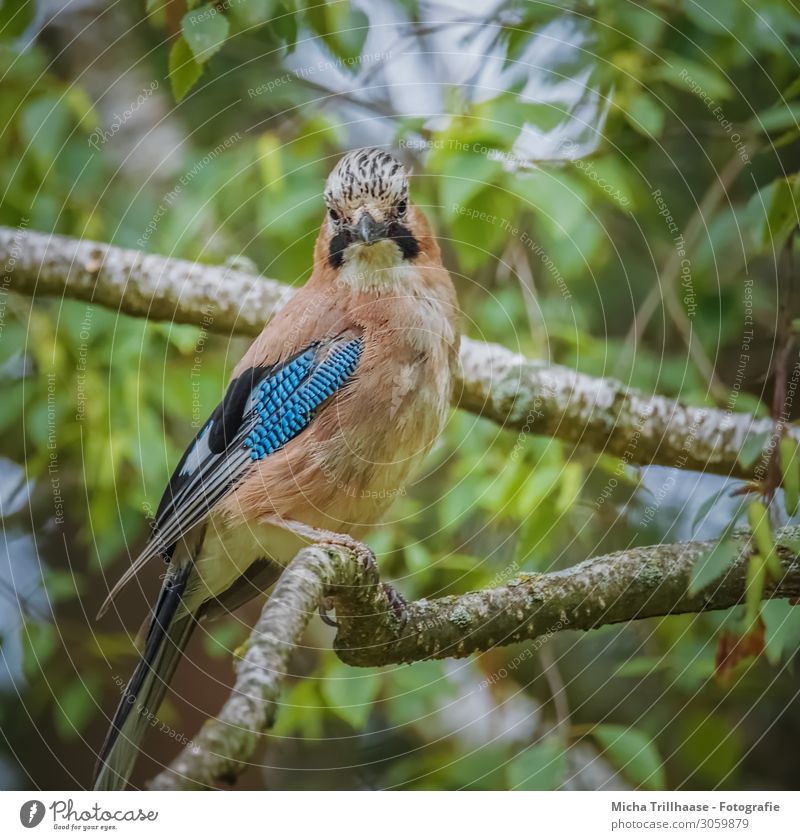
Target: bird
<point x="326" y="417"/>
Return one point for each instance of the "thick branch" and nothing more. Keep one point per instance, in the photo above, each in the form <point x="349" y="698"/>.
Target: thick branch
<point x="137" y="283"/>
<point x="504" y="386"/>
<point x="222" y="747"/>
<point x="633" y="584"/>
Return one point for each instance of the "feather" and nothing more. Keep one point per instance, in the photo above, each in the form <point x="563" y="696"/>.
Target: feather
<point x="254" y="420"/>
<point x="166" y="638"/>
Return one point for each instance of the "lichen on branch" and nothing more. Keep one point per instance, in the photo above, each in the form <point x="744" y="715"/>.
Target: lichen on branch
<point x="624" y="586"/>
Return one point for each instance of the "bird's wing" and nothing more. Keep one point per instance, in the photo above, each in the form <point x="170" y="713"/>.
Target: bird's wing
<point x="263" y="409"/>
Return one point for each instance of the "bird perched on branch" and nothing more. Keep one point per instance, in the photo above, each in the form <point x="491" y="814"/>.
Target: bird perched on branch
<point x="325" y="418"/>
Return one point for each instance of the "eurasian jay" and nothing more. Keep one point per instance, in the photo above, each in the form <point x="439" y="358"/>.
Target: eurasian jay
<point x="325" y="418"/>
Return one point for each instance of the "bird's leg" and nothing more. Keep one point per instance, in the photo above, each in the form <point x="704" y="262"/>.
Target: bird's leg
<point x="363" y="553"/>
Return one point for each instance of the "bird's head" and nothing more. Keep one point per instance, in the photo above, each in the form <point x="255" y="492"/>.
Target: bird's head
<point x="369" y="216"/>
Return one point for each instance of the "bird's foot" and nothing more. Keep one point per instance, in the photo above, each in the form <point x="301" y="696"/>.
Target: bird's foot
<point x="361" y="551"/>
<point x="366" y="556"/>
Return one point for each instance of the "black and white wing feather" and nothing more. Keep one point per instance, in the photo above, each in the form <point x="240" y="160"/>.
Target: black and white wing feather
<point x="263" y="409"/>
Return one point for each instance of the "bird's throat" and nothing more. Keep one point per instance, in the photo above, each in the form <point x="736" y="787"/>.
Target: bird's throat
<point x="374" y="268"/>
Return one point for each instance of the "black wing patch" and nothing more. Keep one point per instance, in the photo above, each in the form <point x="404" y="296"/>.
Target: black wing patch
<point x="219" y="431"/>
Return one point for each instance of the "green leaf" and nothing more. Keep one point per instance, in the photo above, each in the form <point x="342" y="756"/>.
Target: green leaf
<point x="645" y="115"/>
<point x="81" y="107"/>
<point x="778" y="118"/>
<point x="284" y="24"/>
<point x="45" y="124"/>
<point x="774" y="212"/>
<point x="790" y="468"/>
<point x="412" y="692"/>
<point x="418" y="557"/>
<point x="758" y="518"/>
<point x="205" y="30"/>
<point x="754" y="590"/>
<point x="641" y="666"/>
<point x="76" y="706"/>
<point x="540" y="767"/>
<point x="633" y="754"/>
<point x="722" y="17"/>
<point x="793" y="89"/>
<point x="782" y="636"/>
<point x="40" y="642"/>
<point x="540" y="485"/>
<point x="61" y="584"/>
<point x="701" y="79"/>
<point x="751" y="449"/>
<point x="343" y="29"/>
<point x="705" y="507"/>
<point x="782" y="213"/>
<point x="15" y="17"/>
<point x="253" y="12"/>
<point x="712" y="564"/>
<point x="184" y="71"/>
<point x="461" y="177"/>
<point x="571" y="482"/>
<point x="711" y="745"/>
<point x="786" y="138"/>
<point x="350" y="692"/>
<point x="475" y="231"/>
<point x="302" y="711"/>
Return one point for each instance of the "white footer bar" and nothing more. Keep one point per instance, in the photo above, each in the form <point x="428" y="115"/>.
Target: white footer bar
<point x="379" y="815"/>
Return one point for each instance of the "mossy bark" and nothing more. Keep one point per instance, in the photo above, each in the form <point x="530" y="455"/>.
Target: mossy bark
<point x="625" y="586"/>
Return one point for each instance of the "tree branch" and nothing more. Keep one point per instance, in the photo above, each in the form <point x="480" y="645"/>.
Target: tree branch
<point x="518" y="393"/>
<point x="633" y="584"/>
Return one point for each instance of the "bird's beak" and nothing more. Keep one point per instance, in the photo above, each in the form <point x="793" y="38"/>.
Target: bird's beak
<point x="368" y="230"/>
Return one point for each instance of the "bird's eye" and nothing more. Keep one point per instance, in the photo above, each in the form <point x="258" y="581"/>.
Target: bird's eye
<point x="401" y="208"/>
<point x="333" y="214"/>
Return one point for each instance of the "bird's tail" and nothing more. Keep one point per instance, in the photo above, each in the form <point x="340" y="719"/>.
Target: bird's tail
<point x="166" y="638"/>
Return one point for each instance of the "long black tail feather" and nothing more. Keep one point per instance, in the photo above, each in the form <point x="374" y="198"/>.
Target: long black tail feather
<point x="166" y="638"/>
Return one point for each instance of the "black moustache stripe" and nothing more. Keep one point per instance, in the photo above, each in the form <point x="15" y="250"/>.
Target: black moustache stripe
<point x="338" y="243"/>
<point x="409" y="247"/>
<point x="397" y="233"/>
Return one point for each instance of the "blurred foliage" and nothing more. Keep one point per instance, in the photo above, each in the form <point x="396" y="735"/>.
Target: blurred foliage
<point x="555" y="258"/>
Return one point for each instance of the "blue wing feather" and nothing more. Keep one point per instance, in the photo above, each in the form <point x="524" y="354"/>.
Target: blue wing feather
<point x="286" y="402"/>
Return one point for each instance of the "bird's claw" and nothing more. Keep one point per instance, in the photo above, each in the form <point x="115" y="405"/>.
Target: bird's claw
<point x="325" y="605"/>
